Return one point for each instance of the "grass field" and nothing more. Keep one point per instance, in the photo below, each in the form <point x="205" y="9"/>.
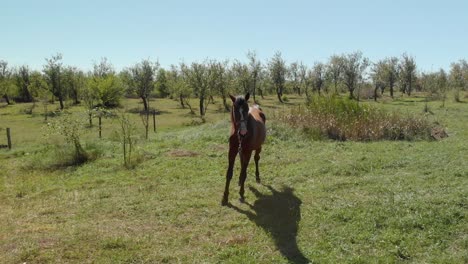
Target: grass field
<point x="319" y="201"/>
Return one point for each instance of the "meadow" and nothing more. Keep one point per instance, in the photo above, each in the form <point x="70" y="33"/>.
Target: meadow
<point x="320" y="201"/>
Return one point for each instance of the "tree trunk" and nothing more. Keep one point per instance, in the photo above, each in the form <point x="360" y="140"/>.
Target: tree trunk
<point x="351" y="95"/>
<point x="391" y="90"/>
<point x="375" y="93"/>
<point x="253" y="91"/>
<point x="77" y="101"/>
<point x="201" y="105"/>
<point x="181" y="98"/>
<point x="90" y="114"/>
<point x="7" y="99"/>
<point x="226" y="107"/>
<point x="61" y="103"/>
<point x="279" y="97"/>
<point x="261" y="93"/>
<point x="279" y="92"/>
<point x="145" y="103"/>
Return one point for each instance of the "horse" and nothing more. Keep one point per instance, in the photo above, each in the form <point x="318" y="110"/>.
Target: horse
<point x="248" y="133"/>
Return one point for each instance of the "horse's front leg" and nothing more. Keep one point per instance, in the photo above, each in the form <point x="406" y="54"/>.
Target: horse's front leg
<point x="257" y="158"/>
<point x="232" y="159"/>
<point x="245" y="159"/>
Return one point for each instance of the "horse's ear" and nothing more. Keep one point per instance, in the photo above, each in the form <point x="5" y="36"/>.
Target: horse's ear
<point x="232" y="98"/>
<point x="247" y="96"/>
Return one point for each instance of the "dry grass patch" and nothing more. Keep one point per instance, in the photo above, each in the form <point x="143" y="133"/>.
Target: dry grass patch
<point x="344" y="119"/>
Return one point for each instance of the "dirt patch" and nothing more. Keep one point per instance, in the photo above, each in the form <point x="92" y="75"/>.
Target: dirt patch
<point x="182" y="153"/>
<point x="219" y="147"/>
<point x="235" y="240"/>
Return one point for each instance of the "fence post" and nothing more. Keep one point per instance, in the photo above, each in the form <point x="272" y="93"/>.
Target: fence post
<point x="100" y="127"/>
<point x="154" y="120"/>
<point x="8" y="137"/>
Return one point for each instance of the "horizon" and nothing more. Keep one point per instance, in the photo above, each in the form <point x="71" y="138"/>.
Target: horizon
<point x="307" y="31"/>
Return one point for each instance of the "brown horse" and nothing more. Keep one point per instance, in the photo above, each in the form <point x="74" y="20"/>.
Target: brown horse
<point x="248" y="133"/>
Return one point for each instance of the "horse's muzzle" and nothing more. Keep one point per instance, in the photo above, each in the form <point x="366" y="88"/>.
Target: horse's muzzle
<point x="242" y="133"/>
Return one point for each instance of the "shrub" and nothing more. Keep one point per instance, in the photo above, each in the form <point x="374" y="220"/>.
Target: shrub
<point x="71" y="129"/>
<point x="127" y="139"/>
<point x="344" y="119"/>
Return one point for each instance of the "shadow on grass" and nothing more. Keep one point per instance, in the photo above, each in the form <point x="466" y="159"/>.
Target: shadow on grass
<point x="279" y="214"/>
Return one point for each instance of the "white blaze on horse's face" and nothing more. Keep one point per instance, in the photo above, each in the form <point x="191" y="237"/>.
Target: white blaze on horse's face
<point x="243" y="123"/>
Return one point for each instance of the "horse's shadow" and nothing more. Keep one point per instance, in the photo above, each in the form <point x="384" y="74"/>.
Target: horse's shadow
<point x="278" y="214"/>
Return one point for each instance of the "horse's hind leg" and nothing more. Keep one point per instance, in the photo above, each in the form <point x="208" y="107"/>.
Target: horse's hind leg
<point x="257" y="158"/>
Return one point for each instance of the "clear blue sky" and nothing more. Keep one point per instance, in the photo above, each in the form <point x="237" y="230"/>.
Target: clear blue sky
<point x="434" y="32"/>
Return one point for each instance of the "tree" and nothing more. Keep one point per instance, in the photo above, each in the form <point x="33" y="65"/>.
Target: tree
<point x="179" y="87"/>
<point x="458" y="77"/>
<point x="278" y="71"/>
<point x="22" y="79"/>
<point x="378" y="77"/>
<point x="318" y="76"/>
<point x="241" y="76"/>
<point x="53" y="75"/>
<point x="197" y="78"/>
<point x="142" y="80"/>
<point x="407" y="69"/>
<point x="391" y="73"/>
<point x="442" y="85"/>
<point x="334" y="71"/>
<point x="354" y="65"/>
<point x="255" y="68"/>
<point x="6" y="83"/>
<point x="90" y="97"/>
<point x="108" y="86"/>
<point x="75" y="80"/>
<point x="294" y="74"/>
<point x="40" y="90"/>
<point x="162" y="83"/>
<point x="220" y="78"/>
<point x="304" y="78"/>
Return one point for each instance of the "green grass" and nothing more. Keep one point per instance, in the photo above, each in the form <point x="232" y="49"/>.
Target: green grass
<point x="322" y="201"/>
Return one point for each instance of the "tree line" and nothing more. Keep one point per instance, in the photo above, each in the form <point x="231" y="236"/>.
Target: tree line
<point x="104" y="87"/>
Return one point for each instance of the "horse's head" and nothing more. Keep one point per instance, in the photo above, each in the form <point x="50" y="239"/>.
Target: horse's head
<point x="240" y="112"/>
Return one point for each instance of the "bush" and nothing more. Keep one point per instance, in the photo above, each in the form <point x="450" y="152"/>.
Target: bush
<point x="71" y="129"/>
<point x="344" y="119"/>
